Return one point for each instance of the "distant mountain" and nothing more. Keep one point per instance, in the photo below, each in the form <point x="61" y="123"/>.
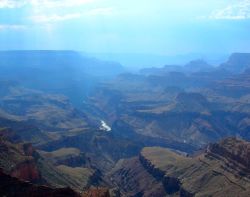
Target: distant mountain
<point x="161" y="71"/>
<point x="191" y="67"/>
<point x="136" y="61"/>
<point x="235" y="86"/>
<point x="198" y="66"/>
<point x="237" y="63"/>
<point x="58" y="61"/>
<point x="65" y="72"/>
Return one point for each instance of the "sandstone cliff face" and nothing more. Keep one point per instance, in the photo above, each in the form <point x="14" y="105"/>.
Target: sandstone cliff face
<point x="234" y="150"/>
<point x="28" y="149"/>
<point x="97" y="192"/>
<point x="19" y="160"/>
<point x="27" y="170"/>
<point x="221" y="170"/>
<point x="21" y="166"/>
<point x="171" y="184"/>
<point x="156" y="172"/>
<point x="25" y="163"/>
<point x="133" y="179"/>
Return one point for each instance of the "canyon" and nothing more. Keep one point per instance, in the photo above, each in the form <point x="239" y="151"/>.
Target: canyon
<point x="170" y="131"/>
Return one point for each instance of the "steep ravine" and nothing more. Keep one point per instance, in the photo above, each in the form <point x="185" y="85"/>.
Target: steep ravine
<point x="171" y="184"/>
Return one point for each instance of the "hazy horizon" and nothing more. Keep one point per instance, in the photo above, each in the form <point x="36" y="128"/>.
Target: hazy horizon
<point x="135" y="61"/>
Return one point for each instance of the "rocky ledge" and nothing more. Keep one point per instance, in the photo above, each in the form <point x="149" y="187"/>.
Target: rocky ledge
<point x="171" y="184"/>
<point x="222" y="169"/>
<point x="234" y="150"/>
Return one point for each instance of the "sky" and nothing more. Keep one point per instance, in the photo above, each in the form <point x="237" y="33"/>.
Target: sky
<point x="164" y="27"/>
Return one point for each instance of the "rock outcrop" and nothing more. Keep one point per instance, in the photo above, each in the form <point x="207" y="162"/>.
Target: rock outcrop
<point x="12" y="187"/>
<point x="25" y="163"/>
<point x="132" y="179"/>
<point x="234" y="150"/>
<point x="171" y="184"/>
<point x="223" y="169"/>
<point x="97" y="192"/>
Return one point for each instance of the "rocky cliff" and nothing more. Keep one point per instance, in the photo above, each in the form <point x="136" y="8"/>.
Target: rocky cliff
<point x="223" y="169"/>
<point x="12" y="187"/>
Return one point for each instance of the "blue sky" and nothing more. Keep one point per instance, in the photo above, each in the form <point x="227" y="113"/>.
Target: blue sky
<point x="166" y="27"/>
